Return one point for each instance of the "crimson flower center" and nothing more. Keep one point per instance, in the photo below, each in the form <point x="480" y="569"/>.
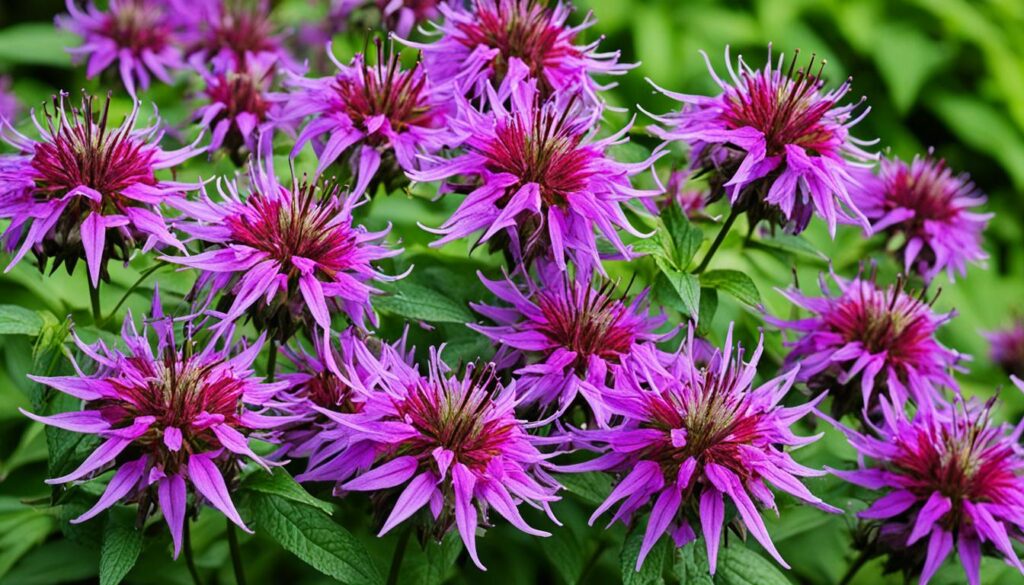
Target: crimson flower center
<point x="888" y="322"/>
<point x="240" y="93"/>
<point x="138" y="26"/>
<point x="304" y="226"/>
<point x="588" y="323"/>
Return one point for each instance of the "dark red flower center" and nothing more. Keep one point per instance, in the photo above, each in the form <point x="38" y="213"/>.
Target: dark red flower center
<point x="546" y="151"/>
<point x="305" y="224"/>
<point x="588" y="321"/>
<point x="517" y="28"/>
<point x="138" y="25"/>
<point x="240" y="93"/>
<point x="384" y="89"/>
<point x="788" y="109"/>
<point x="242" y="28"/>
<point x="928" y="188"/>
<point x="889" y="321"/>
<point x="327" y="391"/>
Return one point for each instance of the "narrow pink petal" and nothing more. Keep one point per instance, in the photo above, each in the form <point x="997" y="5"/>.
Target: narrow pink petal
<point x="126" y="478"/>
<point x="209" y="482"/>
<point x="463" y="482"/>
<point x="388" y="475"/>
<point x="94" y="232"/>
<point x="934" y="509"/>
<point x="662" y="514"/>
<point x="939" y="546"/>
<point x="712" y="514"/>
<point x="415" y="496"/>
<point x="171" y="495"/>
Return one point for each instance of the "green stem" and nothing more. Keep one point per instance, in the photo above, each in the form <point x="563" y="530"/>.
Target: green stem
<point x="396" y="558"/>
<point x="94" y="300"/>
<point x="236" y="555"/>
<point x="856" y="566"/>
<point x="145" y="274"/>
<point x="272" y="361"/>
<point x="733" y="214"/>
<point x="189" y="560"/>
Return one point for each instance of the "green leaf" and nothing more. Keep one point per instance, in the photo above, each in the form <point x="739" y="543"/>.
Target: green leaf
<point x="59" y="561"/>
<point x="650" y="571"/>
<point x="122" y="544"/>
<point x="15" y="320"/>
<point x="280" y="483"/>
<point x="708" y="308"/>
<point x="686" y="238"/>
<point x="21" y="529"/>
<point x="311" y="535"/>
<point x="592" y="487"/>
<point x="906" y="59"/>
<point x="415" y="301"/>
<point x="734" y="282"/>
<point x="436" y="563"/>
<point x="38" y="43"/>
<point x="566" y="553"/>
<point x="691" y="564"/>
<point x="686" y="287"/>
<point x="738" y="565"/>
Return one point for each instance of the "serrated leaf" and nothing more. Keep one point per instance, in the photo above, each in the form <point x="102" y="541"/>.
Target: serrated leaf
<point x="280" y="483"/>
<point x="650" y="571"/>
<point x="738" y="565"/>
<point x="592" y="487"/>
<point x="686" y="287"/>
<point x="415" y="301"/>
<point x="15" y="320"/>
<point x="122" y="544"/>
<point x="734" y="282"/>
<point x="686" y="238"/>
<point x="312" y="536"/>
<point x="436" y="563"/>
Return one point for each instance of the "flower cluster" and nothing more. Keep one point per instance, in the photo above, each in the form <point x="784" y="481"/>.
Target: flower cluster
<point x="175" y="415"/>
<point x="949" y="476"/>
<point x="694" y="434"/>
<point x="867" y="342"/>
<point x="501" y="110"/>
<point x="87" y="189"/>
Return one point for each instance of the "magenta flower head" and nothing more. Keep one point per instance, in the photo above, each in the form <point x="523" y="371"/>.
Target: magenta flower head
<point x="1007" y="347"/>
<point x="175" y="416"/>
<point x="775" y="142"/>
<point x="504" y="43"/>
<point x="371" y="117"/>
<point x="87" y="189"/>
<point x="951" y="478"/>
<point x="229" y="33"/>
<point x="402" y="16"/>
<point x="137" y="35"/>
<point x="929" y="209"/>
<point x="454" y="443"/>
<point x="540" y="183"/>
<point x="692" y="436"/>
<point x="567" y="333"/>
<point x="865" y="342"/>
<point x="238" y="107"/>
<point x="288" y="256"/>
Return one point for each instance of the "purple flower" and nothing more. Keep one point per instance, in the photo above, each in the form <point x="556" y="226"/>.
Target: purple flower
<point x="136" y="34"/>
<point x="928" y="208"/>
<point x="569" y="332"/>
<point x="230" y="33"/>
<point x="401" y="16"/>
<point x="1008" y="347"/>
<point x="171" y="416"/>
<point x="949" y="476"/>
<point x="372" y="117"/>
<point x="865" y="342"/>
<point x="775" y="142"/>
<point x="692" y="435"/>
<point x="454" y="443"/>
<point x="87" y="189"/>
<point x="237" y="108"/>
<point x="284" y="253"/>
<point x="506" y="42"/>
<point x="9" y="104"/>
<point x="540" y="183"/>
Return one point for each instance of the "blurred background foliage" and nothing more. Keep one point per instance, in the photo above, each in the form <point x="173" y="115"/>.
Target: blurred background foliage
<point x="942" y="74"/>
